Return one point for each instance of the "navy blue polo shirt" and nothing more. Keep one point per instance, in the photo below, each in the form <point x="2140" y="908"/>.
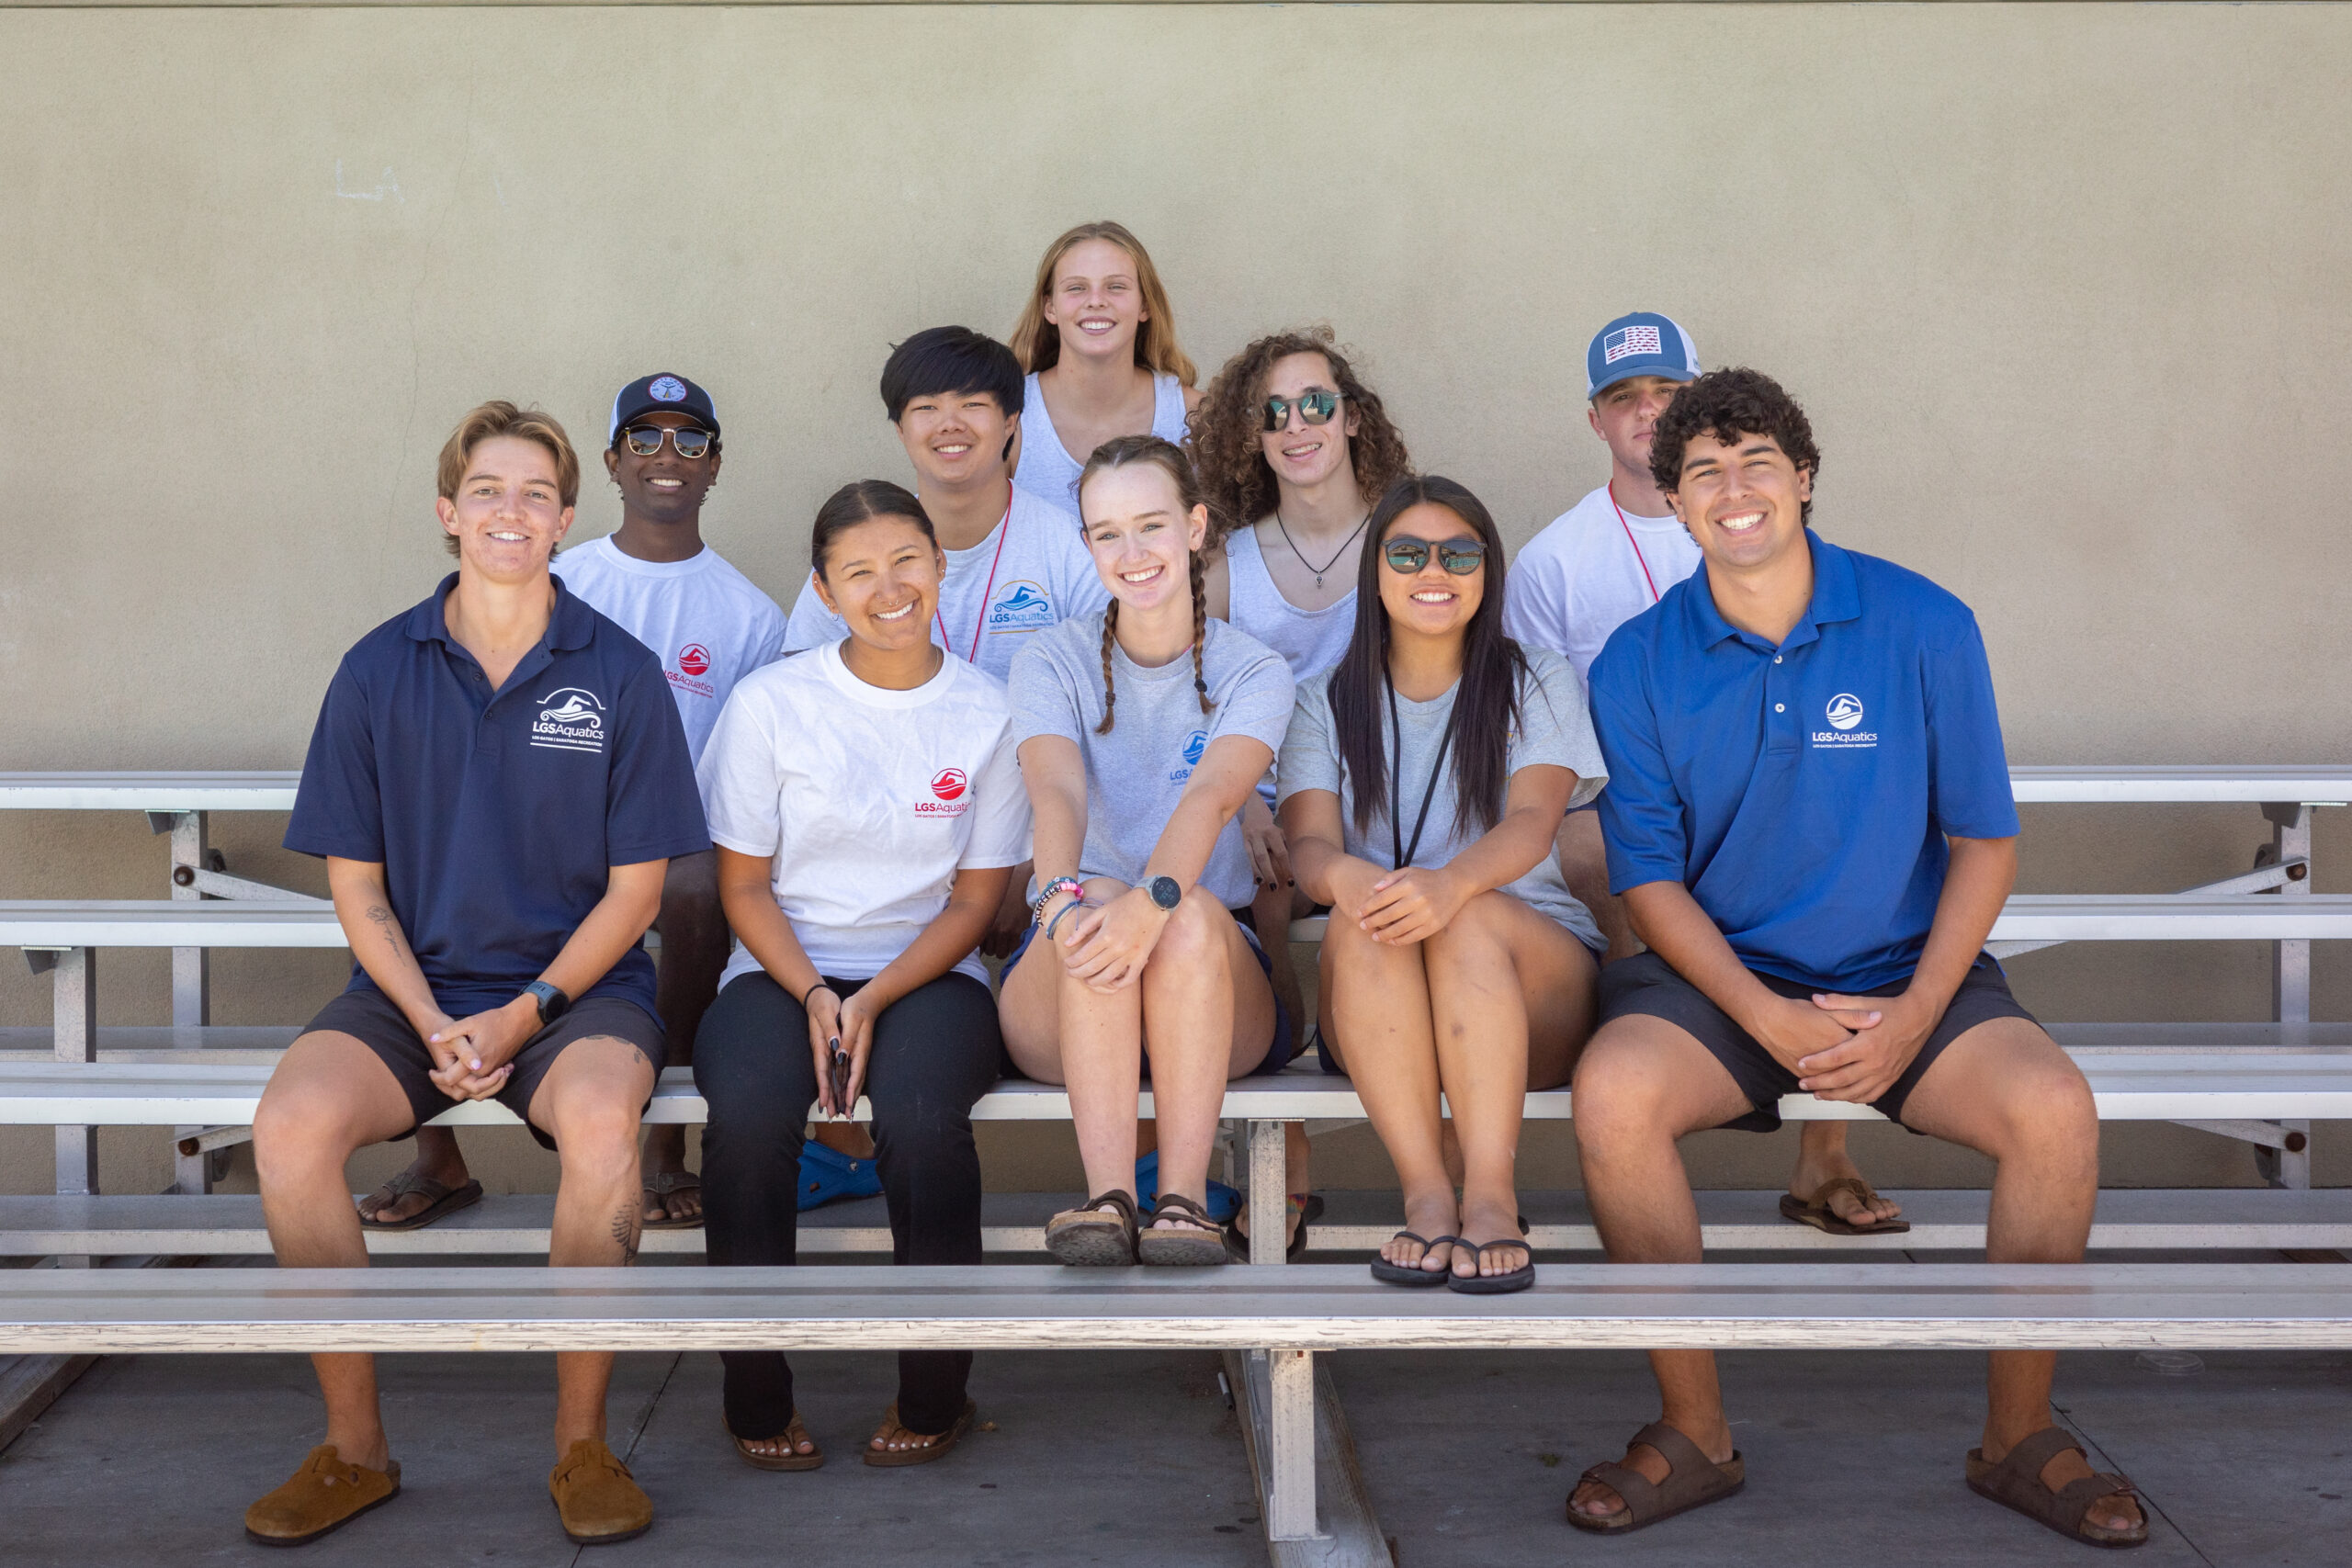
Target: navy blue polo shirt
<point x="497" y="816"/>
<point x="1803" y="791"/>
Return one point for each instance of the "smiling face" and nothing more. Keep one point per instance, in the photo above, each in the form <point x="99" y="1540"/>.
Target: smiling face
<point x="1141" y="537"/>
<point x="1625" y="417"/>
<point x="664" y="488"/>
<point x="1096" y="301"/>
<point x="1432" y="602"/>
<point x="1300" y="454"/>
<point x="508" y="515"/>
<point x="882" y="578"/>
<point x="955" y="439"/>
<point x="1743" y="500"/>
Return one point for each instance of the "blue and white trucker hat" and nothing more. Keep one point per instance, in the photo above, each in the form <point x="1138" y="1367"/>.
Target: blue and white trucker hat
<point x="1643" y="344"/>
<point x="654" y="394"/>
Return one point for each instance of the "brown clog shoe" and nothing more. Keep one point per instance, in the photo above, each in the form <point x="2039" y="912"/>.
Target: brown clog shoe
<point x="324" y="1495"/>
<point x="597" y="1499"/>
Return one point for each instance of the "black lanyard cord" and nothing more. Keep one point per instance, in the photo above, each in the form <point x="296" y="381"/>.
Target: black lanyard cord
<point x="1403" y="851"/>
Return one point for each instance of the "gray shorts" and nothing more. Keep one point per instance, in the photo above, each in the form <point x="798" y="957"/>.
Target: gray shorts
<point x="369" y="1017"/>
<point x="1647" y="986"/>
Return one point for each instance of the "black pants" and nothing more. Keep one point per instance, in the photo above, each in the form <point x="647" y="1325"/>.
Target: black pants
<point x="936" y="1052"/>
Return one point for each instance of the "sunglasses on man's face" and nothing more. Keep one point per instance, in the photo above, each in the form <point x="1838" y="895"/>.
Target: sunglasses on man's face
<point x="1407" y="555"/>
<point x="1315" y="407"/>
<point x="645" y="440"/>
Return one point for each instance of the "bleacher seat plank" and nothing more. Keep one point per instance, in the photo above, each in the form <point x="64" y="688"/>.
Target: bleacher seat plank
<point x="2173" y="783"/>
<point x="2129" y="1087"/>
<point x="270" y="790"/>
<point x="273" y="790"/>
<point x="191" y="1225"/>
<point x="1302" y="1306"/>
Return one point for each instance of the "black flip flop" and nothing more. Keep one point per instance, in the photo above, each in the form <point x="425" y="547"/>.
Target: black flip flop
<point x="1413" y="1274"/>
<point x="1236" y="1240"/>
<point x="1519" y="1278"/>
<point x="445" y="1201"/>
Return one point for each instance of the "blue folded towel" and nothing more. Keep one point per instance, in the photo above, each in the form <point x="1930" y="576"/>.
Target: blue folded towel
<point x="828" y="1176"/>
<point x="1224" y="1203"/>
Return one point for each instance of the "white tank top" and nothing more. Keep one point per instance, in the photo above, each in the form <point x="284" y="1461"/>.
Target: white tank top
<point x="1046" y="468"/>
<point x="1310" y="641"/>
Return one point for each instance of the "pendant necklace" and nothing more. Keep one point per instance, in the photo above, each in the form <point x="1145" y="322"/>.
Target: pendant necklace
<point x="1327" y="566"/>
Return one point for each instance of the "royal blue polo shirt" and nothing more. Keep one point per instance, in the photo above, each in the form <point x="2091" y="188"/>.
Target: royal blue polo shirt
<point x="1803" y="791"/>
<point x="496" y="814"/>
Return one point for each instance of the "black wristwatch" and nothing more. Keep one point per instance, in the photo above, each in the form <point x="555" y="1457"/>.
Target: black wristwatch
<point x="553" y="1004"/>
<point x="1165" y="894"/>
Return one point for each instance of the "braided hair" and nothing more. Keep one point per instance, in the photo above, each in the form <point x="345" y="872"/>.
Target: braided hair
<point x="1118" y="453"/>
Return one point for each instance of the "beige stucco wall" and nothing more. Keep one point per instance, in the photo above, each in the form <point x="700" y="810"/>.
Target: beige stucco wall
<point x="2062" y="285"/>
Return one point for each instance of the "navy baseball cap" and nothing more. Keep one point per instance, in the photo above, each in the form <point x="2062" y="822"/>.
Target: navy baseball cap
<point x="1643" y="344"/>
<point x="660" y="394"/>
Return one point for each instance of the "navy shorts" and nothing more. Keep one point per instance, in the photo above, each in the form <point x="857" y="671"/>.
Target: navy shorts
<point x="1278" y="1053"/>
<point x="370" y="1017"/>
<point x="1646" y="986"/>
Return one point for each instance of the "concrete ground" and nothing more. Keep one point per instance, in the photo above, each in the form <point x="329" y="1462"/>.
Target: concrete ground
<point x="1131" y="1458"/>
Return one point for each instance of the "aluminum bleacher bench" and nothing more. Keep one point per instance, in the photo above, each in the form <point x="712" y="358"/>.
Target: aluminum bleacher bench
<point x="1270" y="1322"/>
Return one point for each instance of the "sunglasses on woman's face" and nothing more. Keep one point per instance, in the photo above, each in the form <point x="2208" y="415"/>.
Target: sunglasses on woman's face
<point x="645" y="440"/>
<point x="1407" y="555"/>
<point x="1316" y="407"/>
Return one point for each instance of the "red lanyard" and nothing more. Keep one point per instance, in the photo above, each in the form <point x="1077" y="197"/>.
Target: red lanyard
<point x="1632" y="541"/>
<point x="1003" y="531"/>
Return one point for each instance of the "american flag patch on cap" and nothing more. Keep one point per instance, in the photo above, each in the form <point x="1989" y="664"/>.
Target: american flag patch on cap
<point x="1627" y="342"/>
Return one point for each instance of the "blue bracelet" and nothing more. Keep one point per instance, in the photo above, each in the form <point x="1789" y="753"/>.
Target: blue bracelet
<point x="1066" y="909"/>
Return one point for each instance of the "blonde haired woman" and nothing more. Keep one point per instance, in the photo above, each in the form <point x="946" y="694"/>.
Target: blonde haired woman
<point x="1098" y="341"/>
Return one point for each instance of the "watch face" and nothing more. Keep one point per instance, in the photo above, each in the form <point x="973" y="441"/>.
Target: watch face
<point x="1165" y="893"/>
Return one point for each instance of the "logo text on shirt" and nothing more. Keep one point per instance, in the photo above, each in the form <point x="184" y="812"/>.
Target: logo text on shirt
<point x="693" y="662"/>
<point x="949" y="786"/>
<point x="1023" y="606"/>
<point x="1195" y="746"/>
<point x="1844" y="717"/>
<point x="571" y="718"/>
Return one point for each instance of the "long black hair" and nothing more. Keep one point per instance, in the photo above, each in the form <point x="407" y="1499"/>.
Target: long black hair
<point x="1487" y="703"/>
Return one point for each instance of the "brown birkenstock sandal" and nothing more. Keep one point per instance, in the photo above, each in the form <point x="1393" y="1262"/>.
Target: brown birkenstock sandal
<point x="596" y="1498"/>
<point x="1693" y="1481"/>
<point x="793" y="1435"/>
<point x="2015" y="1482"/>
<point x="1195" y="1240"/>
<point x="1098" y="1234"/>
<point x="319" y="1498"/>
<point x="887" y="1459"/>
<point x="658" y="1188"/>
<point x="1815" y="1211"/>
<point x="441" y="1199"/>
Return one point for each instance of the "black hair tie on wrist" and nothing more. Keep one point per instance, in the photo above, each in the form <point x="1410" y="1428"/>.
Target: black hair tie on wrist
<point x="812" y="990"/>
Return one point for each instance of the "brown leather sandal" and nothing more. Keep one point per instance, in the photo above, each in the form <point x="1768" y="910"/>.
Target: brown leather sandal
<point x="887" y="1459"/>
<point x="2015" y="1482"/>
<point x="1815" y="1211"/>
<point x="793" y="1434"/>
<point x="1195" y="1241"/>
<point x="1694" y="1480"/>
<point x="1098" y="1234"/>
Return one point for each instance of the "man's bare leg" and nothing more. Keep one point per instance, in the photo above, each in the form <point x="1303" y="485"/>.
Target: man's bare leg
<point x="2005" y="1090"/>
<point x="588" y="1103"/>
<point x="330" y="1096"/>
<point x="694" y="954"/>
<point x="1641" y="1085"/>
<point x="1821" y="1148"/>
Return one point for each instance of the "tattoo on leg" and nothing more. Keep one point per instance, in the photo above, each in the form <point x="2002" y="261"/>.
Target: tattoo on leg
<point x="625" y="1231"/>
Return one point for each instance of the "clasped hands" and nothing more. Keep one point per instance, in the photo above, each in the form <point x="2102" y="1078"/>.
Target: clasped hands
<point x="1398" y="909"/>
<point x="1107" y="944"/>
<point x="1844" y="1048"/>
<point x="473" y="1056"/>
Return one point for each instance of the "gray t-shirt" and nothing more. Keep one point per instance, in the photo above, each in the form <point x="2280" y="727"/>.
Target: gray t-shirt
<point x="1135" y="774"/>
<point x="1555" y="730"/>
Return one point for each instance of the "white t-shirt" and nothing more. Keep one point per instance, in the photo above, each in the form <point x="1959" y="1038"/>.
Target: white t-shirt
<point x="870" y="800"/>
<point x="994" y="600"/>
<point x="707" y="623"/>
<point x="1583" y="577"/>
